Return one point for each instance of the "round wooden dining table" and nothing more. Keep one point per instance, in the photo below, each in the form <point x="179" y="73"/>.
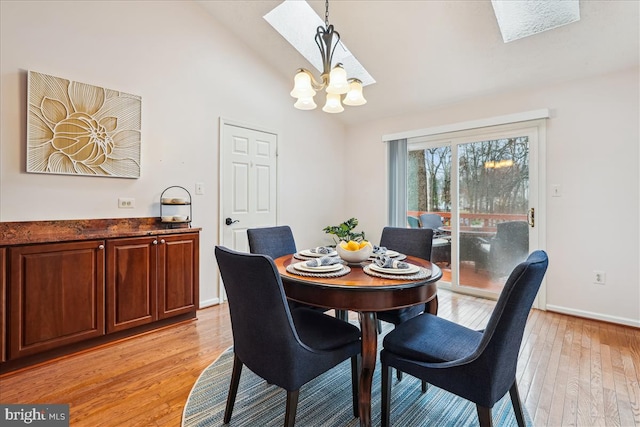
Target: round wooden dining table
<point x="366" y="294"/>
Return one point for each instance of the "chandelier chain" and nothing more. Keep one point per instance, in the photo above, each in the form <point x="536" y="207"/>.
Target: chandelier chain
<point x="326" y="13"/>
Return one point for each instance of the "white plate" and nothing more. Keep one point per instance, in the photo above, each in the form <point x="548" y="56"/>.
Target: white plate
<point x="302" y="266"/>
<point x="412" y="269"/>
<point x="389" y="253"/>
<point x="173" y="201"/>
<point x="307" y="252"/>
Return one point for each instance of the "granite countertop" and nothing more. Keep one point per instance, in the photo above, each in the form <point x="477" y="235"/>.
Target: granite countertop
<point x="26" y="232"/>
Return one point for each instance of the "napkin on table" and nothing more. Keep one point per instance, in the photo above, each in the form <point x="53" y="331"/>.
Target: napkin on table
<point x="379" y="250"/>
<point x="325" y="260"/>
<point x="386" y="261"/>
<point x="321" y="250"/>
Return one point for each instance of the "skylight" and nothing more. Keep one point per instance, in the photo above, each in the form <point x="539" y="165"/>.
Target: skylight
<point x="523" y="18"/>
<point x="297" y="22"/>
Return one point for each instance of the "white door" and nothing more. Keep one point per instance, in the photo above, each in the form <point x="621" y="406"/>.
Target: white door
<point x="248" y="189"/>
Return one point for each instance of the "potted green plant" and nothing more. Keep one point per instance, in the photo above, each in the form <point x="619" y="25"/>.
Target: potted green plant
<point x="345" y="231"/>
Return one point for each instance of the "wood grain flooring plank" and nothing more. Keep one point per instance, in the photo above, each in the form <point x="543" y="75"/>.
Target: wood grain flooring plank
<point x="528" y="357"/>
<point x="584" y="375"/>
<point x="610" y="402"/>
<point x="570" y="409"/>
<point x="596" y="398"/>
<point x="538" y="373"/>
<point x="630" y="368"/>
<point x="543" y="406"/>
<point x="617" y="343"/>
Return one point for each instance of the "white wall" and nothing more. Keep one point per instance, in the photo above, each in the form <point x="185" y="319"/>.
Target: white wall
<point x="592" y="152"/>
<point x="189" y="72"/>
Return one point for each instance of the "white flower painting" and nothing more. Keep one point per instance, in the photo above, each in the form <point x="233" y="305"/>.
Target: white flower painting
<point x="78" y="129"/>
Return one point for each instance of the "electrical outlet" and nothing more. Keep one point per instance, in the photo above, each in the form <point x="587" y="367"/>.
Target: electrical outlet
<point x="599" y="277"/>
<point x="126" y="202"/>
<point x="199" y="188"/>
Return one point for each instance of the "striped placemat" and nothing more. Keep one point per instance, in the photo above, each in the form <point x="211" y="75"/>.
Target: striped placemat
<point x="344" y="271"/>
<point x="424" y="273"/>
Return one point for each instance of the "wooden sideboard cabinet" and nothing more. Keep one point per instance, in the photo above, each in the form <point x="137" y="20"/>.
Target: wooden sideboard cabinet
<point x="151" y="278"/>
<point x="56" y="295"/>
<point x="70" y="285"/>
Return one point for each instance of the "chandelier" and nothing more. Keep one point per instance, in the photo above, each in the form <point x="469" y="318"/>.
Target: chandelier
<point x="333" y="80"/>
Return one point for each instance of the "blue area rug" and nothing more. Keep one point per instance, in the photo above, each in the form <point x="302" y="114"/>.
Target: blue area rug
<point x="326" y="401"/>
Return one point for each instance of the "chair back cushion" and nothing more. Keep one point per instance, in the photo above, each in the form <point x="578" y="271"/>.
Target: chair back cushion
<point x="409" y="241"/>
<point x="272" y="241"/>
<point x="261" y="323"/>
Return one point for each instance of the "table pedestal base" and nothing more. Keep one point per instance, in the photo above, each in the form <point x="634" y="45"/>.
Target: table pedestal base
<point x="369" y="329"/>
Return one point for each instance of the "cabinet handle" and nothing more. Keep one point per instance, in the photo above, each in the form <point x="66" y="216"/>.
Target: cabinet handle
<point x="101" y="247"/>
<point x="155" y="242"/>
<point x="162" y="241"/>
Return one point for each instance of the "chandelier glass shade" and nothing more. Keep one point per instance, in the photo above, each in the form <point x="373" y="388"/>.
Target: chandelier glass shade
<point x="333" y="80"/>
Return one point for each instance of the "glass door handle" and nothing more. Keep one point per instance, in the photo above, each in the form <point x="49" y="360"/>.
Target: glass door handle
<point x="531" y="217"/>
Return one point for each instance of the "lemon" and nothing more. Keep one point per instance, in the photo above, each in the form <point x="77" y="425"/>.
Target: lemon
<point x="363" y="244"/>
<point x="353" y="245"/>
<point x="343" y="245"/>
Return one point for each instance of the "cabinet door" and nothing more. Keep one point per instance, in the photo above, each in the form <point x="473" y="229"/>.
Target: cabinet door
<point x="131" y="282"/>
<point x="56" y="295"/>
<point x="178" y="272"/>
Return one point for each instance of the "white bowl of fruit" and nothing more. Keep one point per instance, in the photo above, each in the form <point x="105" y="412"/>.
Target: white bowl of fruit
<point x="353" y="251"/>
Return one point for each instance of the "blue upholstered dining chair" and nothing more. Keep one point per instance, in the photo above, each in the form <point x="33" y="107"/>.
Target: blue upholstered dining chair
<point x="409" y="241"/>
<point x="442" y="252"/>
<point x="285" y="347"/>
<point x="276" y="242"/>
<point x="479" y="366"/>
<point x="432" y="221"/>
<point x="413" y="221"/>
<point x="272" y="241"/>
<point x="500" y="254"/>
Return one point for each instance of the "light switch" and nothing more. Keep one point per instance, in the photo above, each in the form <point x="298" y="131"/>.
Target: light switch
<point x="199" y="188"/>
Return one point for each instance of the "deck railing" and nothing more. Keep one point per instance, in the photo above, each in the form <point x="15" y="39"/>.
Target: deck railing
<point x="484" y="221"/>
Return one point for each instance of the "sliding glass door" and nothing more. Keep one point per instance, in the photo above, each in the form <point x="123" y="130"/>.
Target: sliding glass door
<point x="482" y="187"/>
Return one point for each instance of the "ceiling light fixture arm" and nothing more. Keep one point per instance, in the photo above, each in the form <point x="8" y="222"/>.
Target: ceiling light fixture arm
<point x="325" y="41"/>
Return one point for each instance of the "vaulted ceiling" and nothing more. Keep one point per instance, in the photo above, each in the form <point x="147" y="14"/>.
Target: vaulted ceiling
<point x="429" y="53"/>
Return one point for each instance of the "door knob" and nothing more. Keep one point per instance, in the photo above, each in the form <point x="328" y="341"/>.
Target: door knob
<point x="229" y="221"/>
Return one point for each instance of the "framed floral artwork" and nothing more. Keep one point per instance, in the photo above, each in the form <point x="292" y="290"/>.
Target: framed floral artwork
<point x="78" y="129"/>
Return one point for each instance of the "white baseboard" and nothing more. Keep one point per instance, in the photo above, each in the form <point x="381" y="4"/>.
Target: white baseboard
<point x="209" y="303"/>
<point x="595" y="316"/>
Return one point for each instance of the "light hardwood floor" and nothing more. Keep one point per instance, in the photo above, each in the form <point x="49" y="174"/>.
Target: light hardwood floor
<point x="571" y="371"/>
